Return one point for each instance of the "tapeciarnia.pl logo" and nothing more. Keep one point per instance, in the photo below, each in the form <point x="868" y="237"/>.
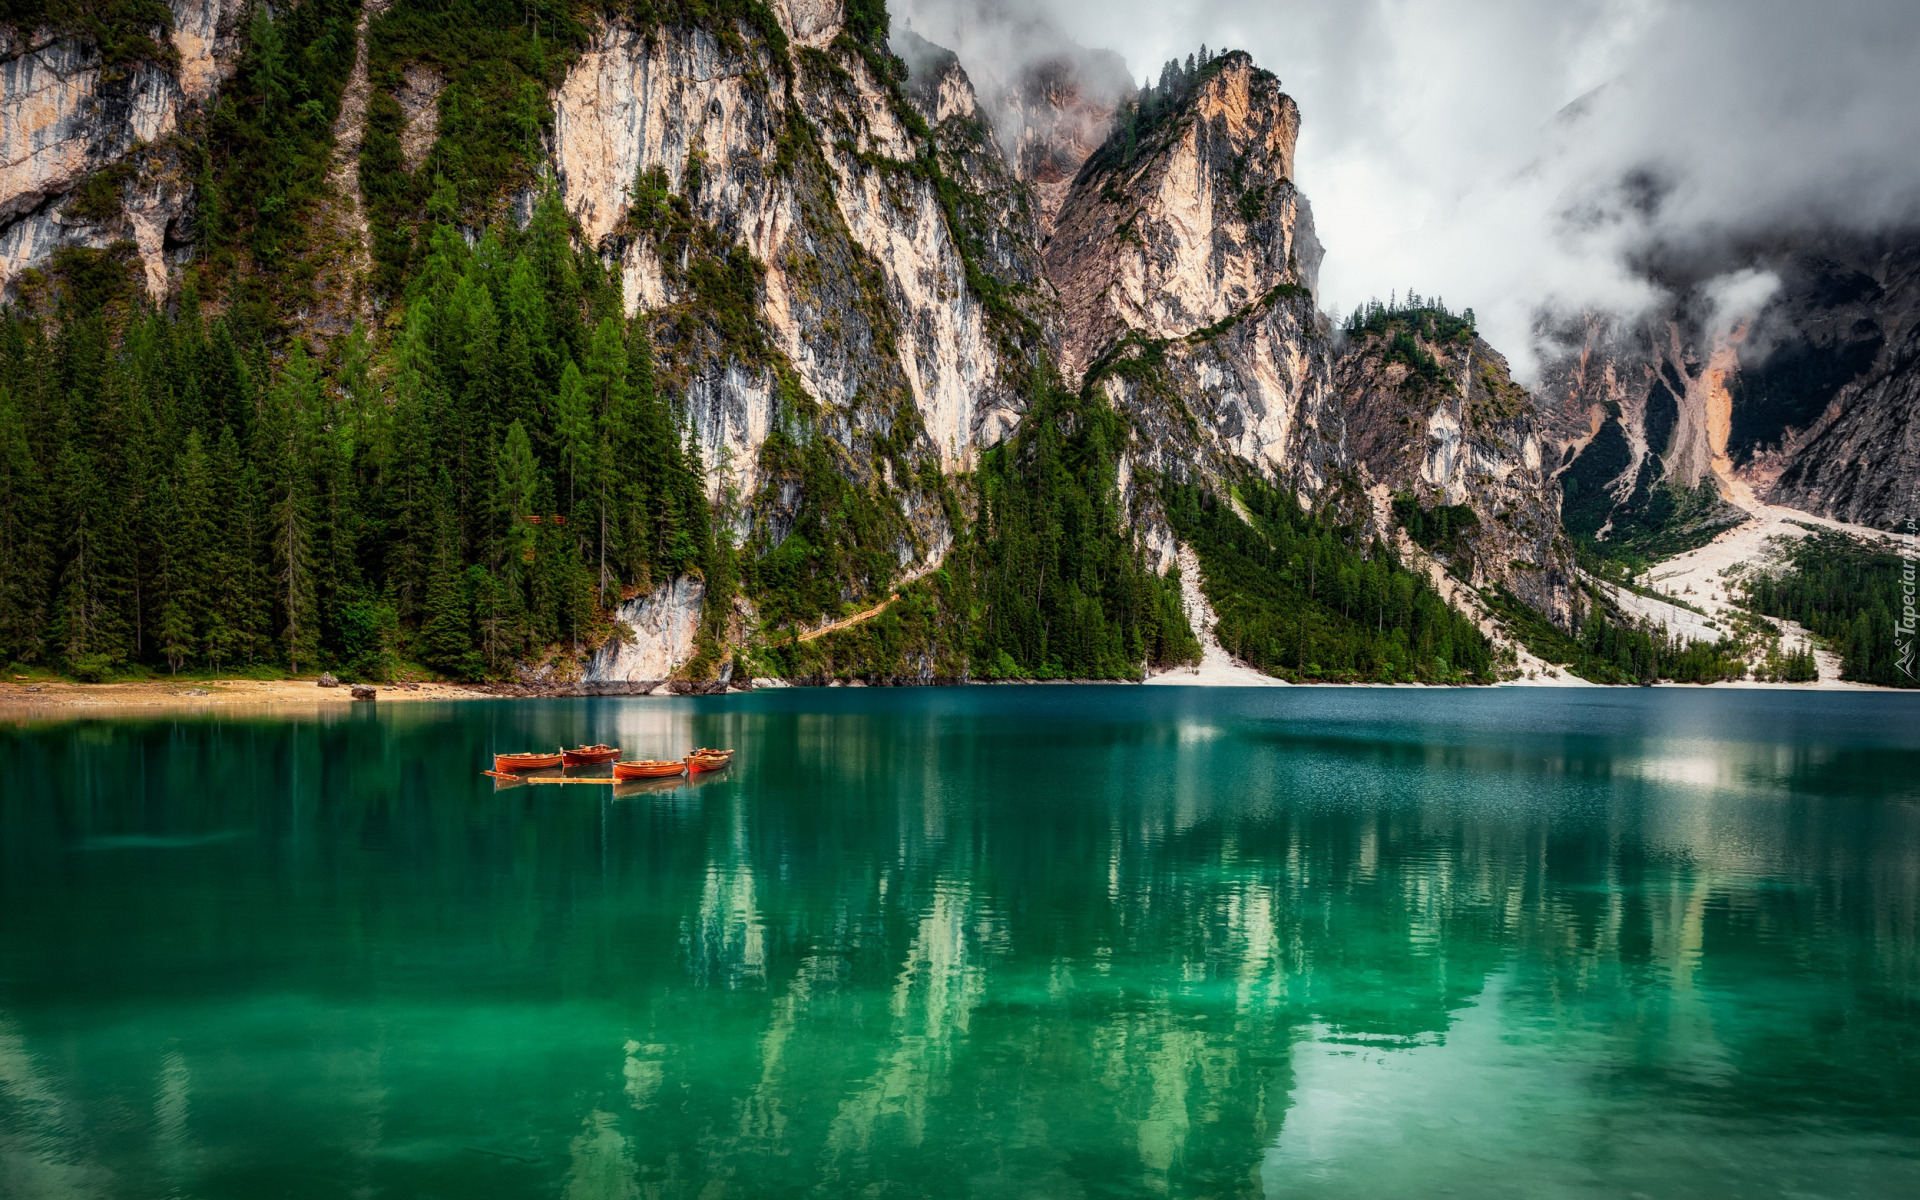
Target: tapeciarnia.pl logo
<point x="1904" y="628"/>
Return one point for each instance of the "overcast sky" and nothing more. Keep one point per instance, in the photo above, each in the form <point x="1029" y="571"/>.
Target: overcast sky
<point x="1436" y="154"/>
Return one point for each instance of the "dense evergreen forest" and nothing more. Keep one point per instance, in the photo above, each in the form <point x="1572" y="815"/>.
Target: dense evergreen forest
<point x="1848" y="595"/>
<point x="483" y="486"/>
<point x="1302" y="598"/>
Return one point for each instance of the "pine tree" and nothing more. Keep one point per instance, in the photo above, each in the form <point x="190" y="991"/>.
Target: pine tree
<point x="574" y="435"/>
<point x="606" y="385"/>
<point x="23" y="551"/>
<point x="226" y="384"/>
<point x="88" y="630"/>
<point x="187" y="551"/>
<point x="517" y="493"/>
<point x="482" y="398"/>
<point x="529" y="318"/>
<point x="286" y="453"/>
<point x="408" y="453"/>
<point x="445" y="642"/>
<point x="241" y="588"/>
<point x="517" y="501"/>
<point x="491" y="616"/>
<point x="549" y="249"/>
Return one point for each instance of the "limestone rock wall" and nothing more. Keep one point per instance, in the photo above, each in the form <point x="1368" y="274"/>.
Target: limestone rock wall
<point x="661" y="626"/>
<point x="678" y="100"/>
<point x="64" y="115"/>
<point x="1185" y="277"/>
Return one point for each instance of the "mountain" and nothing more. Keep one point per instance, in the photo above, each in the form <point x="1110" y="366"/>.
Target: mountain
<point x="698" y="341"/>
<point x="1806" y="397"/>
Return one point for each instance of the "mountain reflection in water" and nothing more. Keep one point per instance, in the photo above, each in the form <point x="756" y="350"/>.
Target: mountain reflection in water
<point x="987" y="941"/>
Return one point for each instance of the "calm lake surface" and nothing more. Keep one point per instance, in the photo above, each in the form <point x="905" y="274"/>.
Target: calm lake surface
<point x="997" y="942"/>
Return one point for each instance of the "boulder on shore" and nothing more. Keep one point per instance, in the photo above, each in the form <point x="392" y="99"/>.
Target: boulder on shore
<point x="327" y="680"/>
<point x="362" y="691"/>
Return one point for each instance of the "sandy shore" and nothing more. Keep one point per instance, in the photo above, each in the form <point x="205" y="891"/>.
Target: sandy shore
<point x="19" y="697"/>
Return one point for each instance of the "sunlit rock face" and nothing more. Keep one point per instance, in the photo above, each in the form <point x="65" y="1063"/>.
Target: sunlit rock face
<point x="1193" y="250"/>
<point x="810" y="23"/>
<point x="1191" y="227"/>
<point x="65" y="115"/>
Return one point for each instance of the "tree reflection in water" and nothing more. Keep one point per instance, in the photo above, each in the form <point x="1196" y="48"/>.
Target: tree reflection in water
<point x="1038" y="941"/>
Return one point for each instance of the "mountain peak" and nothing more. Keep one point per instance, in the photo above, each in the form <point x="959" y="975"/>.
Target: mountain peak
<point x="1187" y="213"/>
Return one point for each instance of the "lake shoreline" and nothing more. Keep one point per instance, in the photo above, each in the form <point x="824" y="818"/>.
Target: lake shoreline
<point x="44" y="695"/>
<point x="84" y="699"/>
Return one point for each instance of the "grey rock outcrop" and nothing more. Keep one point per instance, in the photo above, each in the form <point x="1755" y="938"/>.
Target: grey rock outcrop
<point x="1468" y="438"/>
<point x="1197" y="226"/>
<point x="1185" y="270"/>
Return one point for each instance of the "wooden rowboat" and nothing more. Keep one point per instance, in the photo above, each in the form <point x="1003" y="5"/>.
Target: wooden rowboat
<point x="647" y="768"/>
<point x="585" y="756"/>
<point x="708" y="760"/>
<point x="526" y="762"/>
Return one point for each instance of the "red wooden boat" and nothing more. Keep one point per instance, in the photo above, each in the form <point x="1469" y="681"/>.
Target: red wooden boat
<point x="526" y="762"/>
<point x="708" y="760"/>
<point x="647" y="768"/>
<point x="586" y="756"/>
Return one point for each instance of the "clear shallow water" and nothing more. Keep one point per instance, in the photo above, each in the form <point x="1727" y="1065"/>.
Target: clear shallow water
<point x="1001" y="942"/>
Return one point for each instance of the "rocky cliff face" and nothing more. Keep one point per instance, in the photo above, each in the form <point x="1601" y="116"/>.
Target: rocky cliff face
<point x="1460" y="434"/>
<point x="1194" y="226"/>
<point x="1185" y="267"/>
<point x="1858" y="458"/>
<point x="1058" y="113"/>
<point x="1808" y="398"/>
<point x="660" y="635"/>
<point x="808" y="168"/>
<point x="1049" y="100"/>
<point x="68" y="118"/>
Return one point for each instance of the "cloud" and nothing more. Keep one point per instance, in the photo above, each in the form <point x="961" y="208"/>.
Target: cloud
<point x="1737" y="297"/>
<point x="1515" y="154"/>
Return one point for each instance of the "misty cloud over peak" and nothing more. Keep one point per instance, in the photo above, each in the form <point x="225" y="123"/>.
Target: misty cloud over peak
<point x="1514" y="155"/>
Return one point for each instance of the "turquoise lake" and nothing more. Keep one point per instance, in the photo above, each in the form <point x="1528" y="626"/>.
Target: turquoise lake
<point x="993" y="941"/>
